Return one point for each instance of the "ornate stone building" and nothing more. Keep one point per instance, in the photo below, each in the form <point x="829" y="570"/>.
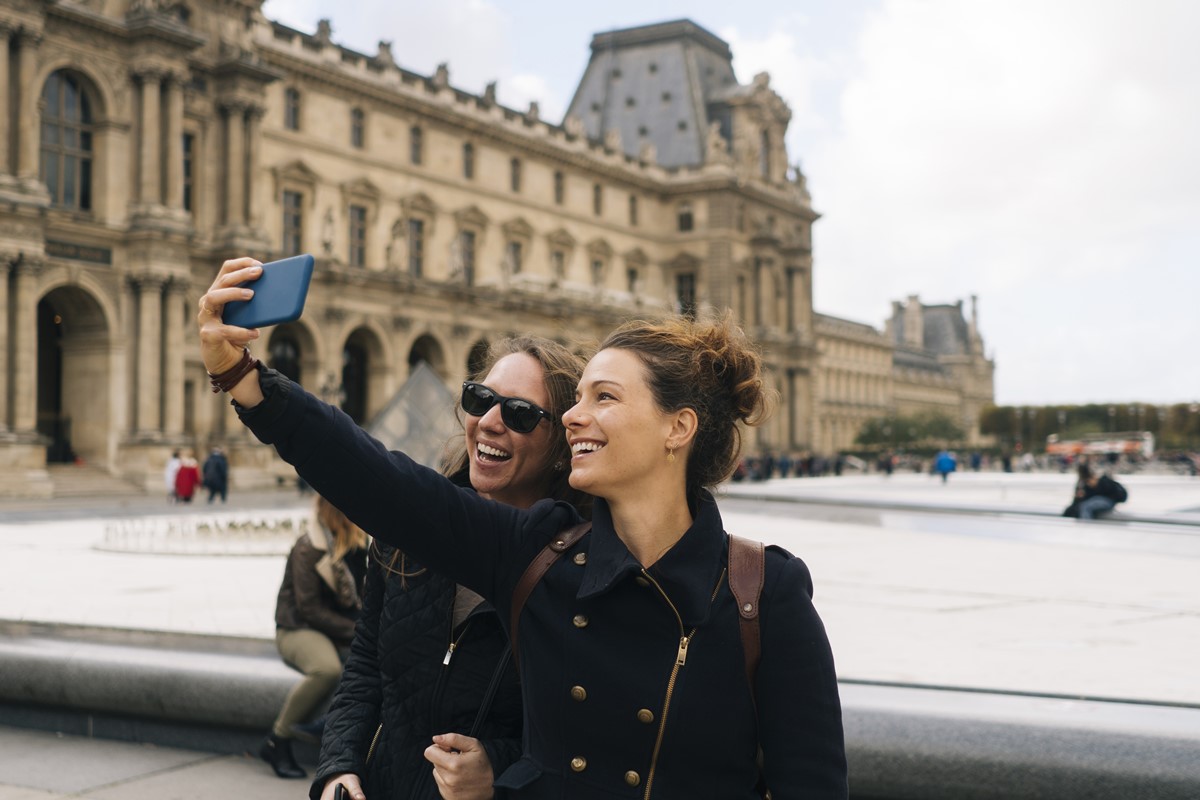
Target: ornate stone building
<point x="148" y="140"/>
<point x="927" y="358"/>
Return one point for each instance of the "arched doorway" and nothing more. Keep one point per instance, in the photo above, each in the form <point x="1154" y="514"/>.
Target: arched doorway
<point x="292" y="351"/>
<point x="284" y="355"/>
<point x="355" y="364"/>
<point x="427" y="349"/>
<point x="73" y="372"/>
<point x="477" y="357"/>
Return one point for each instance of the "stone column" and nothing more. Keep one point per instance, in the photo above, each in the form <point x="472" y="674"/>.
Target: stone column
<point x="254" y="149"/>
<point x="148" y="368"/>
<point x="24" y="347"/>
<point x="5" y="262"/>
<point x="174" y="133"/>
<point x="173" y="355"/>
<point x="149" y="139"/>
<point x="235" y="164"/>
<point x="5" y="113"/>
<point x="29" y="118"/>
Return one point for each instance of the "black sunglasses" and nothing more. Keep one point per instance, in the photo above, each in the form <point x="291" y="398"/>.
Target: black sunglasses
<point x="518" y="415"/>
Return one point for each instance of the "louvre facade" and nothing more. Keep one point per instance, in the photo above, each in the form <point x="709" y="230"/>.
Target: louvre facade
<point x="148" y="140"/>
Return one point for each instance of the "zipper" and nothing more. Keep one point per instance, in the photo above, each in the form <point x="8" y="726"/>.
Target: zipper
<point x="440" y="687"/>
<point x="680" y="660"/>
<point x="374" y="742"/>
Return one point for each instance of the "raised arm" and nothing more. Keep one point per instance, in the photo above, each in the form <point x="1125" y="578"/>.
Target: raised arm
<point x="221" y="345"/>
<point x="480" y="543"/>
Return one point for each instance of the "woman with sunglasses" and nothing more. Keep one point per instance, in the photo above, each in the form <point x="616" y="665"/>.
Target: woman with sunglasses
<point x="630" y="647"/>
<point x="429" y="658"/>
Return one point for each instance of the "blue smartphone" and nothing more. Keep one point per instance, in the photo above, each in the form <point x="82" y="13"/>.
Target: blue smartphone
<point x="279" y="295"/>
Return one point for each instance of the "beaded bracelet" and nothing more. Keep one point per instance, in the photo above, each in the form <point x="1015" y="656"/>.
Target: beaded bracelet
<point x="232" y="376"/>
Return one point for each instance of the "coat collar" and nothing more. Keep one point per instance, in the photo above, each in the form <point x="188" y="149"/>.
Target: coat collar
<point x="688" y="572"/>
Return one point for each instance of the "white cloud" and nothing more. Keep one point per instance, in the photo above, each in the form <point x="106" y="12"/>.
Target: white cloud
<point x="520" y="89"/>
<point x="1034" y="153"/>
<point x="472" y="36"/>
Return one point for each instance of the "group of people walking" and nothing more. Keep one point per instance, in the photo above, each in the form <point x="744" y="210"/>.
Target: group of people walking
<point x="559" y="611"/>
<point x="183" y="476"/>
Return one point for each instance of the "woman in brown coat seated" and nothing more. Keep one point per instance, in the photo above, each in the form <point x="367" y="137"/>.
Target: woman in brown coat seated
<point x="318" y="603"/>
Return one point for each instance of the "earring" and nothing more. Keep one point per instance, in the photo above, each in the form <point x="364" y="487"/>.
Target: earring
<point x="558" y="465"/>
<point x="671" y="455"/>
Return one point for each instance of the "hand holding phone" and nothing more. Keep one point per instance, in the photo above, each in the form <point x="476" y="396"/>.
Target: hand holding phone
<point x="279" y="295"/>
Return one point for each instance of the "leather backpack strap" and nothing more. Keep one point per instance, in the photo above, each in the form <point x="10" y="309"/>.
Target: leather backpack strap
<point x="746" y="568"/>
<point x="746" y="576"/>
<point x="534" y="572"/>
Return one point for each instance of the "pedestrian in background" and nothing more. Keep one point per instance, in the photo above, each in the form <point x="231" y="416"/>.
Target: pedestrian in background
<point x="318" y="603"/>
<point x="187" y="477"/>
<point x="944" y="464"/>
<point x="1094" y="494"/>
<point x="169" y="473"/>
<point x="216" y="475"/>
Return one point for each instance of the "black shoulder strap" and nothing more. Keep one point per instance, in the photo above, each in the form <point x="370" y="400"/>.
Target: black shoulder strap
<point x="534" y="572"/>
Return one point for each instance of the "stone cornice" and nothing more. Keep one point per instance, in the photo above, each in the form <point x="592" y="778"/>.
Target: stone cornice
<point x="480" y="120"/>
<point x="150" y="25"/>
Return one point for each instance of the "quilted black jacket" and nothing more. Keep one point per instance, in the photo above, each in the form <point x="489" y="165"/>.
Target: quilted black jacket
<point x="397" y="675"/>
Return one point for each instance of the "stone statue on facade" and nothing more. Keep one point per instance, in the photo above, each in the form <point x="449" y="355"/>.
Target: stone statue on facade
<point x="716" y="149"/>
<point x="324" y="33"/>
<point x="441" y="76"/>
<point x="384" y="55"/>
<point x="327" y="233"/>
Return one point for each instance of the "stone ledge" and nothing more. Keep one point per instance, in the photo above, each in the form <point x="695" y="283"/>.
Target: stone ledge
<point x="222" y="693"/>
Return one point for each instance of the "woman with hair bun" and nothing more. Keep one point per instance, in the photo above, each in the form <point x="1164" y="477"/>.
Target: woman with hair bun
<point x="629" y="642"/>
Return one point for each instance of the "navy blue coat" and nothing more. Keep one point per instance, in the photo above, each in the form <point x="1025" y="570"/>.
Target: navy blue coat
<point x="634" y="678"/>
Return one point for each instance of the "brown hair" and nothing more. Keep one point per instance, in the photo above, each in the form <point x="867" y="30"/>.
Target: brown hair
<point x="710" y="367"/>
<point x="346" y="535"/>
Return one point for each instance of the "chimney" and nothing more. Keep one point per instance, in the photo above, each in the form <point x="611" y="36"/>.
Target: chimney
<point x="914" y="323"/>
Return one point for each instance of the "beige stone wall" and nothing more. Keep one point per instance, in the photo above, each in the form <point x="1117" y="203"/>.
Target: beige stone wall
<point x="126" y="273"/>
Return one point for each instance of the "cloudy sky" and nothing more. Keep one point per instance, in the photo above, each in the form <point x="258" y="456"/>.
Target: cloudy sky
<point x="1041" y="154"/>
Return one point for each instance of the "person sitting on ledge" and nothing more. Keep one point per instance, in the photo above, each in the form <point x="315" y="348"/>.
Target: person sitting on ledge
<point x="1094" y="494"/>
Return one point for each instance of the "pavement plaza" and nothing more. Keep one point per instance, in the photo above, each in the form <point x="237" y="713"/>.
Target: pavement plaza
<point x="914" y="587"/>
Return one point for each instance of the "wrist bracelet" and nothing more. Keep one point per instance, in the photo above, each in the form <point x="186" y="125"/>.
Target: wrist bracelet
<point x="232" y="376"/>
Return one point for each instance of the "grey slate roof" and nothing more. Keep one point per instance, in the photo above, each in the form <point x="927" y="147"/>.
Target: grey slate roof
<point x="660" y="84"/>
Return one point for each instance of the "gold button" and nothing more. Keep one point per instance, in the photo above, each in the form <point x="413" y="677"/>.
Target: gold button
<point x="578" y="693"/>
<point x="641" y="581"/>
<point x="580" y="620"/>
<point x="632" y="778"/>
<point x="646" y="716"/>
<point x="578" y="764"/>
<point x="581" y="558"/>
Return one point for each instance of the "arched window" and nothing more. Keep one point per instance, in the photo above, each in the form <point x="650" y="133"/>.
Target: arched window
<point x="67" y="129"/>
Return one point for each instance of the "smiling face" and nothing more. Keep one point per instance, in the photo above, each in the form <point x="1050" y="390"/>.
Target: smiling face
<point x="618" y="434"/>
<point x="511" y="467"/>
